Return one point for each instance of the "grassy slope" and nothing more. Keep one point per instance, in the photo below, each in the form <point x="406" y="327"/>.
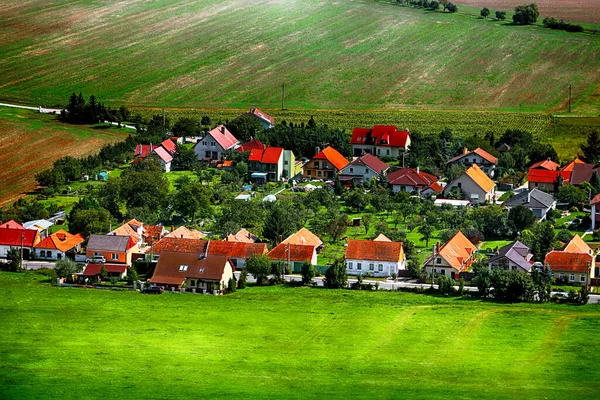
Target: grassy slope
<point x="349" y="55"/>
<point x="289" y="343"/>
<point x="31" y="142"/>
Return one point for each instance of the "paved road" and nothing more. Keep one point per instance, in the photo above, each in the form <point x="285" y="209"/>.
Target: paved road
<point x="41" y="109"/>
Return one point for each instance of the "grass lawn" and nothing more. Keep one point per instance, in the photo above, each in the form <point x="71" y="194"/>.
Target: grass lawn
<point x="289" y="343"/>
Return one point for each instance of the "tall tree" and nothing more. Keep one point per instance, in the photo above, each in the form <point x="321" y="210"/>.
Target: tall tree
<point x="260" y="267"/>
<point x="521" y="217"/>
<point x="591" y="148"/>
<point x="335" y="276"/>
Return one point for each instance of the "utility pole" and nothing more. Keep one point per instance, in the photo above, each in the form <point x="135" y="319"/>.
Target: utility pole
<point x="164" y="123"/>
<point x="282" y="94"/>
<point x="21" y="259"/>
<point x="569" y="98"/>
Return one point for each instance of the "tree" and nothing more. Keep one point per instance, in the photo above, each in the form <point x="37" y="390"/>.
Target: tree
<point x="66" y="268"/>
<point x="483" y="277"/>
<point x="426" y="231"/>
<point x="336" y="228"/>
<point x="445" y="285"/>
<point x="144" y="185"/>
<point x="485" y="12"/>
<point x="526" y="14"/>
<point x="452" y="8"/>
<point x="572" y="194"/>
<point x="521" y="217"/>
<point x="512" y="286"/>
<point x="591" y="148"/>
<point x="103" y="272"/>
<point x="366" y="220"/>
<point x="501" y="15"/>
<point x="193" y="199"/>
<point x="89" y="221"/>
<point x="541" y="239"/>
<point x="243" y="279"/>
<point x="308" y="272"/>
<point x="132" y="275"/>
<point x="185" y="127"/>
<point x="260" y="267"/>
<point x="355" y="199"/>
<point x="14" y="259"/>
<point x="335" y="277"/>
<point x="338" y="189"/>
<point x="282" y="220"/>
<point x="245" y="127"/>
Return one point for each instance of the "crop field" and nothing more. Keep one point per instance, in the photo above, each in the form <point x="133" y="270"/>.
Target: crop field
<point x="569" y="10"/>
<point x="31" y="142"/>
<point x="277" y="342"/>
<point x="353" y="54"/>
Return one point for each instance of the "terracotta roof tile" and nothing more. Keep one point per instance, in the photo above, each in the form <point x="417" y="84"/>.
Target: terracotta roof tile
<point x="305" y="237"/>
<point x="571" y="262"/>
<point x="548" y="165"/>
<point x="169" y="146"/>
<point x="268" y="155"/>
<point x="251" y="144"/>
<point x="380" y="135"/>
<point x="292" y="252"/>
<point x="410" y="177"/>
<point x="480" y="152"/>
<point x="456" y="252"/>
<point x="333" y="156"/>
<point x="222" y="136"/>
<point x="60" y="240"/>
<point x="374" y="250"/>
<point x="12" y="224"/>
<point x="183" y="232"/>
<point x="480" y="178"/>
<point x="242" y="235"/>
<point x="12" y="237"/>
<point x="168" y="269"/>
<point x="184" y="245"/>
<point x="236" y="249"/>
<point x="577" y="245"/>
<point x="372" y="162"/>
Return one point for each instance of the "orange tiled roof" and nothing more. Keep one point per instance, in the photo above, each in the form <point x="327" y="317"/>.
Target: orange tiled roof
<point x="374" y="250"/>
<point x="382" y="238"/>
<point x="456" y="252"/>
<point x="304" y="237"/>
<point x="546" y="164"/>
<point x="183" y="232"/>
<point x="292" y="252"/>
<point x="569" y="167"/>
<point x="577" y="245"/>
<point x="480" y="178"/>
<point x="333" y="156"/>
<point x="60" y="240"/>
<point x="126" y="230"/>
<point x="571" y="262"/>
<point x="183" y="245"/>
<point x="236" y="249"/>
<point x="242" y="235"/>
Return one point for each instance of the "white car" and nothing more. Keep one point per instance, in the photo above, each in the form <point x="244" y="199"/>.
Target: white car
<point x="96" y="260"/>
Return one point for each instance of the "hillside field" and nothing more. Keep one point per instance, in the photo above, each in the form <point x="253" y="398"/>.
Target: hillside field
<point x="277" y="342"/>
<point x="354" y="54"/>
<point x="31" y="142"/>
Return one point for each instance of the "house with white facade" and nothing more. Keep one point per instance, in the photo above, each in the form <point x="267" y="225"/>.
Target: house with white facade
<point x="514" y="256"/>
<point x="540" y="203"/>
<point x="215" y="143"/>
<point x="363" y="169"/>
<point x="377" y="258"/>
<point x="482" y="158"/>
<point x="414" y="181"/>
<point x="58" y="246"/>
<point x="381" y="141"/>
<point x="476" y="186"/>
<point x="452" y="258"/>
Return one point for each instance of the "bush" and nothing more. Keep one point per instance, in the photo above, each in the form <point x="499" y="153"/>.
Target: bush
<point x="501" y="15"/>
<point x="243" y="279"/>
<point x="308" y="273"/>
<point x="445" y="285"/>
<point x="49" y="272"/>
<point x="335" y="277"/>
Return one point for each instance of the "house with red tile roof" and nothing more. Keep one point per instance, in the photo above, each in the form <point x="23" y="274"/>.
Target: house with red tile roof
<point x="266" y="165"/>
<point x="475" y="185"/>
<point x="153" y="233"/>
<point x="132" y="228"/>
<point x="163" y="153"/>
<point x="325" y="164"/>
<point x="482" y="158"/>
<point x="375" y="257"/>
<point x="252" y="144"/>
<point x="381" y="141"/>
<point x="59" y="245"/>
<point x="15" y="238"/>
<point x="413" y="180"/>
<point x="183" y="232"/>
<point x="265" y="119"/>
<point x="237" y="252"/>
<point x="93" y="271"/>
<point x="294" y="255"/>
<point x="454" y="257"/>
<point x="363" y="169"/>
<point x="203" y="274"/>
<point x="571" y="267"/>
<point x="170" y="146"/>
<point x="545" y="175"/>
<point x="305" y="237"/>
<point x="179" y="245"/>
<point x="243" y="235"/>
<point x="12" y="224"/>
<point x="215" y="143"/>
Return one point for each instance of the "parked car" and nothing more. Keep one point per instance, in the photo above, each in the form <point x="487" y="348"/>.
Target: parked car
<point x="153" y="290"/>
<point x="96" y="260"/>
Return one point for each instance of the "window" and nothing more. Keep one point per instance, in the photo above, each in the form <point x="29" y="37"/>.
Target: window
<point x="183" y="267"/>
<point x="378" y="151"/>
<point x="367" y="171"/>
<point x="49" y="254"/>
<point x="318" y="173"/>
<point x="561" y="276"/>
<point x="536" y="184"/>
<point x="351" y="169"/>
<point x="114" y="256"/>
<point x="97" y="253"/>
<point x="358" y="266"/>
<point x="208" y="154"/>
<point x="371" y="267"/>
<point x="201" y="270"/>
<point x="514" y="268"/>
<point x="459" y="185"/>
<point x="442" y="272"/>
<point x="325" y="166"/>
<point x="309" y="173"/>
<point x="380" y="267"/>
<point x="212" y="144"/>
<point x="192" y="283"/>
<point x="387" y="152"/>
<point x="582" y="278"/>
<point x="349" y="265"/>
<point x="439" y="260"/>
<point x="572" y="278"/>
<point x="285" y="162"/>
<point x="43" y="253"/>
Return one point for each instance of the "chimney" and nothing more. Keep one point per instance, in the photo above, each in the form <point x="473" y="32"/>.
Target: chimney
<point x="529" y="197"/>
<point x="150" y="147"/>
<point x="465" y="150"/>
<point x="317" y="150"/>
<point x="418" y="170"/>
<point x="223" y="129"/>
<point x="280" y="239"/>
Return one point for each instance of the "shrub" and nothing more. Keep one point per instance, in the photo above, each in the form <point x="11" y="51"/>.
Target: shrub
<point x="308" y="273"/>
<point x="243" y="279"/>
<point x="445" y="285"/>
<point x="335" y="277"/>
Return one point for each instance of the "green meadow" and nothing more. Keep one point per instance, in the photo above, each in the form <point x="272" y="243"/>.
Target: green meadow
<point x="353" y="54"/>
<point x="277" y="342"/>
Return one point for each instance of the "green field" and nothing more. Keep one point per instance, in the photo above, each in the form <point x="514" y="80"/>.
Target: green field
<point x="354" y="54"/>
<point x="289" y="343"/>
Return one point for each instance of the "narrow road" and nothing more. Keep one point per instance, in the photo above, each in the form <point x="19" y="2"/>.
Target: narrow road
<point x="40" y="109"/>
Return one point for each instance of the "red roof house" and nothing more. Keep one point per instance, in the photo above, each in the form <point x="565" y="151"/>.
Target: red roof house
<point x="215" y="143"/>
<point x="58" y="245"/>
<point x="380" y="140"/>
<point x="15" y="238"/>
<point x="266" y="120"/>
<point x="12" y="224"/>
<point x="571" y="267"/>
<point x="169" y="146"/>
<point x="251" y="145"/>
<point x="413" y="180"/>
<point x="294" y="255"/>
<point x="544" y="175"/>
<point x="482" y="158"/>
<point x="325" y="164"/>
<point x="378" y="258"/>
<point x="363" y="169"/>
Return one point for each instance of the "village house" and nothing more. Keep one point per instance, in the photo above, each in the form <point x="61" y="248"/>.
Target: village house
<point x="293" y="255"/>
<point x="414" y="181"/>
<point x="12" y="224"/>
<point x="270" y="164"/>
<point x="482" y="158"/>
<point x="540" y="203"/>
<point x="575" y="263"/>
<point x="546" y="175"/>
<point x="41" y="225"/>
<point x="250" y="145"/>
<point x="18" y="238"/>
<point x="183" y="232"/>
<point x="583" y="172"/>
<point x="378" y="258"/>
<point x="305" y="237"/>
<point x="514" y="256"/>
<point x="243" y="235"/>
<point x="475" y="185"/>
<point x="163" y="153"/>
<point x="265" y="120"/>
<point x="454" y="257"/>
<point x="363" y="169"/>
<point x="325" y="164"/>
<point x="195" y="272"/>
<point x="93" y="271"/>
<point x="132" y="228"/>
<point x="59" y="245"/>
<point x="237" y="252"/>
<point x="115" y="249"/>
<point x="381" y="141"/>
<point x="215" y="143"/>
